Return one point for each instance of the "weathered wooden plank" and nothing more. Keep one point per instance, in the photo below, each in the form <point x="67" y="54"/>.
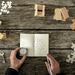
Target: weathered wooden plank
<point x="62" y="39"/>
<point x="58" y="39"/>
<point x="54" y="2"/>
<point x="11" y="41"/>
<point x="36" y="65"/>
<point x="22" y="17"/>
<point x="61" y="56"/>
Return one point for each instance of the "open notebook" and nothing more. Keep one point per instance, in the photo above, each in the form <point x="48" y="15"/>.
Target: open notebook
<point x="37" y="44"/>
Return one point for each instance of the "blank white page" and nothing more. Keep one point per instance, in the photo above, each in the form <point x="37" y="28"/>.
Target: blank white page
<point x="41" y="44"/>
<point x="27" y="41"/>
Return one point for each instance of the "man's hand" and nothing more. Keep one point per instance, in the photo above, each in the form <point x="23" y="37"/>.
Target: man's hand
<point x="52" y="65"/>
<point x="16" y="63"/>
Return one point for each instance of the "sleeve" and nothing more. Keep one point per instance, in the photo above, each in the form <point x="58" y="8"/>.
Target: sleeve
<point x="11" y="71"/>
<point x="58" y="74"/>
<point x="61" y="74"/>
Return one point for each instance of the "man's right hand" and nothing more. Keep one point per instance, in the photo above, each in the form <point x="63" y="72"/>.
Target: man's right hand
<point x="52" y="65"/>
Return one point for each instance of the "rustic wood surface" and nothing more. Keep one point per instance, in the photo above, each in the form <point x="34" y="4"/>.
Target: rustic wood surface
<point x="21" y="20"/>
<point x="22" y="15"/>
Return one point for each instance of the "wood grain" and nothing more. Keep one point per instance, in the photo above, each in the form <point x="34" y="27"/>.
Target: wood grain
<point x="21" y="20"/>
<point x="57" y="39"/>
<point x="22" y="17"/>
<point x="37" y="66"/>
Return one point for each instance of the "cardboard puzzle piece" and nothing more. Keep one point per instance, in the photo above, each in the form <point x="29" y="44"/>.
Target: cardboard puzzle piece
<point x="39" y="10"/>
<point x="57" y="15"/>
<point x="61" y="14"/>
<point x="65" y="14"/>
<point x="2" y="36"/>
<point x="71" y="57"/>
<point x="73" y="24"/>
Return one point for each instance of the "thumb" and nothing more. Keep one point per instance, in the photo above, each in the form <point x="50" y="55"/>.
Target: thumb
<point x="47" y="65"/>
<point x="49" y="68"/>
<point x="23" y="59"/>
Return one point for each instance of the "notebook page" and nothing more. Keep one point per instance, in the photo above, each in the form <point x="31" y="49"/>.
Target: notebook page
<point x="27" y="41"/>
<point x="41" y="45"/>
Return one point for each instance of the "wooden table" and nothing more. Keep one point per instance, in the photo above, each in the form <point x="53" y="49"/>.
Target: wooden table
<point x="21" y="20"/>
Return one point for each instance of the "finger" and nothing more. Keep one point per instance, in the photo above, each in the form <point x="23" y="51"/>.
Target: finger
<point x="55" y="61"/>
<point x="11" y="54"/>
<point x="23" y="59"/>
<point x="51" y="57"/>
<point x="16" y="50"/>
<point x="50" y="61"/>
<point x="48" y="67"/>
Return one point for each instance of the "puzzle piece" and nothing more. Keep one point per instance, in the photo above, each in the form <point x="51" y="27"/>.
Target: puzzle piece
<point x="2" y="36"/>
<point x="73" y="46"/>
<point x="64" y="13"/>
<point x="2" y="54"/>
<point x="71" y="57"/>
<point x="57" y="15"/>
<point x="61" y="14"/>
<point x="39" y="10"/>
<point x="9" y="4"/>
<point x="73" y="24"/>
<point x="5" y="6"/>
